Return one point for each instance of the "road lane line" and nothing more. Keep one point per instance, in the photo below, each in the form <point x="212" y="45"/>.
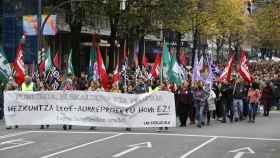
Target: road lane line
<point x="198" y="147"/>
<point x="82" y="145"/>
<point x="15" y="134"/>
<point x="15" y="144"/>
<point x="163" y="134"/>
<point x="75" y="132"/>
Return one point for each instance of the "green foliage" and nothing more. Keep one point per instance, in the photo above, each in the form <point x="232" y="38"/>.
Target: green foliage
<point x="267" y="22"/>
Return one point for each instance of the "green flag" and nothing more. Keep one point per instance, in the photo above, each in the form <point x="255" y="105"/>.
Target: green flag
<point x="5" y="69"/>
<point x="174" y="71"/>
<point x="92" y="63"/>
<point x="48" y="62"/>
<point x="164" y="63"/>
<point x="70" y="69"/>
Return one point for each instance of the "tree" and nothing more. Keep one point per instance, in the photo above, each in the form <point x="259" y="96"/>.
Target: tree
<point x="267" y="22"/>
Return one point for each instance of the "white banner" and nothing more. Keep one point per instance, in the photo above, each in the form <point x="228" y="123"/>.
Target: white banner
<point x="84" y="108"/>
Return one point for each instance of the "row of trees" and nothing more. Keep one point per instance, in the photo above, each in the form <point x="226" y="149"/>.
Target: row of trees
<point x="223" y="22"/>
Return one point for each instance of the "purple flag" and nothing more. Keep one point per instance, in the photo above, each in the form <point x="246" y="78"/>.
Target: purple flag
<point x="210" y="78"/>
<point x="196" y="70"/>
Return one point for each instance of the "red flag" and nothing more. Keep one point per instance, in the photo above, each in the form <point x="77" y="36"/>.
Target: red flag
<point x="56" y="60"/>
<point x="116" y="75"/>
<point x="19" y="65"/>
<point x="226" y="75"/>
<point x="182" y="58"/>
<point x="156" y="67"/>
<point x="42" y="67"/>
<point x="145" y="61"/>
<point x="102" y="70"/>
<point x="244" y="68"/>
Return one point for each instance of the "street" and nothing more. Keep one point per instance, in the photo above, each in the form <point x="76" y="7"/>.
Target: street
<point x="232" y="140"/>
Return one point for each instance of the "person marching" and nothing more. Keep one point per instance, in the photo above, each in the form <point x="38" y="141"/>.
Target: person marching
<point x="254" y="98"/>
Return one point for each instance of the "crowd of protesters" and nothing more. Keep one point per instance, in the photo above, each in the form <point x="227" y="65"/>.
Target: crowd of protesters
<point x="196" y="103"/>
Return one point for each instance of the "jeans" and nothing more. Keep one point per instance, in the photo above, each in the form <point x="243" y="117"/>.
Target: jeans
<point x="253" y="107"/>
<point x="228" y="109"/>
<point x="199" y="114"/>
<point x="238" y="108"/>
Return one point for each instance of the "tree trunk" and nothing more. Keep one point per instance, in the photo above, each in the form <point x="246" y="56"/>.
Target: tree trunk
<point x="195" y="42"/>
<point x="178" y="44"/>
<point x="112" y="50"/>
<point x="76" y="40"/>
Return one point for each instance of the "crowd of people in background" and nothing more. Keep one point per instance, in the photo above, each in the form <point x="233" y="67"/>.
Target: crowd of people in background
<point x="196" y="103"/>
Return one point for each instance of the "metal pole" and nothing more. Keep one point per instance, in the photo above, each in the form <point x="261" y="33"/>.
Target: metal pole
<point x="39" y="27"/>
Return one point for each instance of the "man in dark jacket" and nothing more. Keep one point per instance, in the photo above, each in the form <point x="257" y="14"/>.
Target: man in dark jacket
<point x="239" y="94"/>
<point x="276" y="93"/>
<point x="184" y="105"/>
<point x="267" y="99"/>
<point x="227" y="99"/>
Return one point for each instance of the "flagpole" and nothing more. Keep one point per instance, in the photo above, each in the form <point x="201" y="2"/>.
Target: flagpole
<point x="161" y="62"/>
<point x="144" y="52"/>
<point x="118" y="59"/>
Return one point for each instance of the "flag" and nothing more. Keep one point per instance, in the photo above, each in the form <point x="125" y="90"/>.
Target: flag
<point x="56" y="60"/>
<point x="5" y="69"/>
<point x="19" y="65"/>
<point x="34" y="72"/>
<point x="156" y="67"/>
<point x="174" y="71"/>
<point x="48" y="62"/>
<point x="164" y="62"/>
<point x="42" y="67"/>
<point x="102" y="70"/>
<point x="226" y="75"/>
<point x="182" y="58"/>
<point x="93" y="70"/>
<point x="135" y="58"/>
<point x="210" y="78"/>
<point x="145" y="61"/>
<point x="200" y="64"/>
<point x="196" y="76"/>
<point x="70" y="69"/>
<point x="136" y="53"/>
<point x="215" y="69"/>
<point x="116" y="75"/>
<point x="125" y="52"/>
<point x="244" y="68"/>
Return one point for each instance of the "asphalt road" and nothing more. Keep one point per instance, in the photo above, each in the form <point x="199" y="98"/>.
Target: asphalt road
<point x="232" y="140"/>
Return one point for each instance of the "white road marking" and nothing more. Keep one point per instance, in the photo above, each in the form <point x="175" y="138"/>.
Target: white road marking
<point x="75" y="132"/>
<point x="198" y="147"/>
<point x="134" y="147"/>
<point x="15" y="134"/>
<point x="241" y="151"/>
<point x="163" y="134"/>
<point x="82" y="145"/>
<point x="14" y="144"/>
